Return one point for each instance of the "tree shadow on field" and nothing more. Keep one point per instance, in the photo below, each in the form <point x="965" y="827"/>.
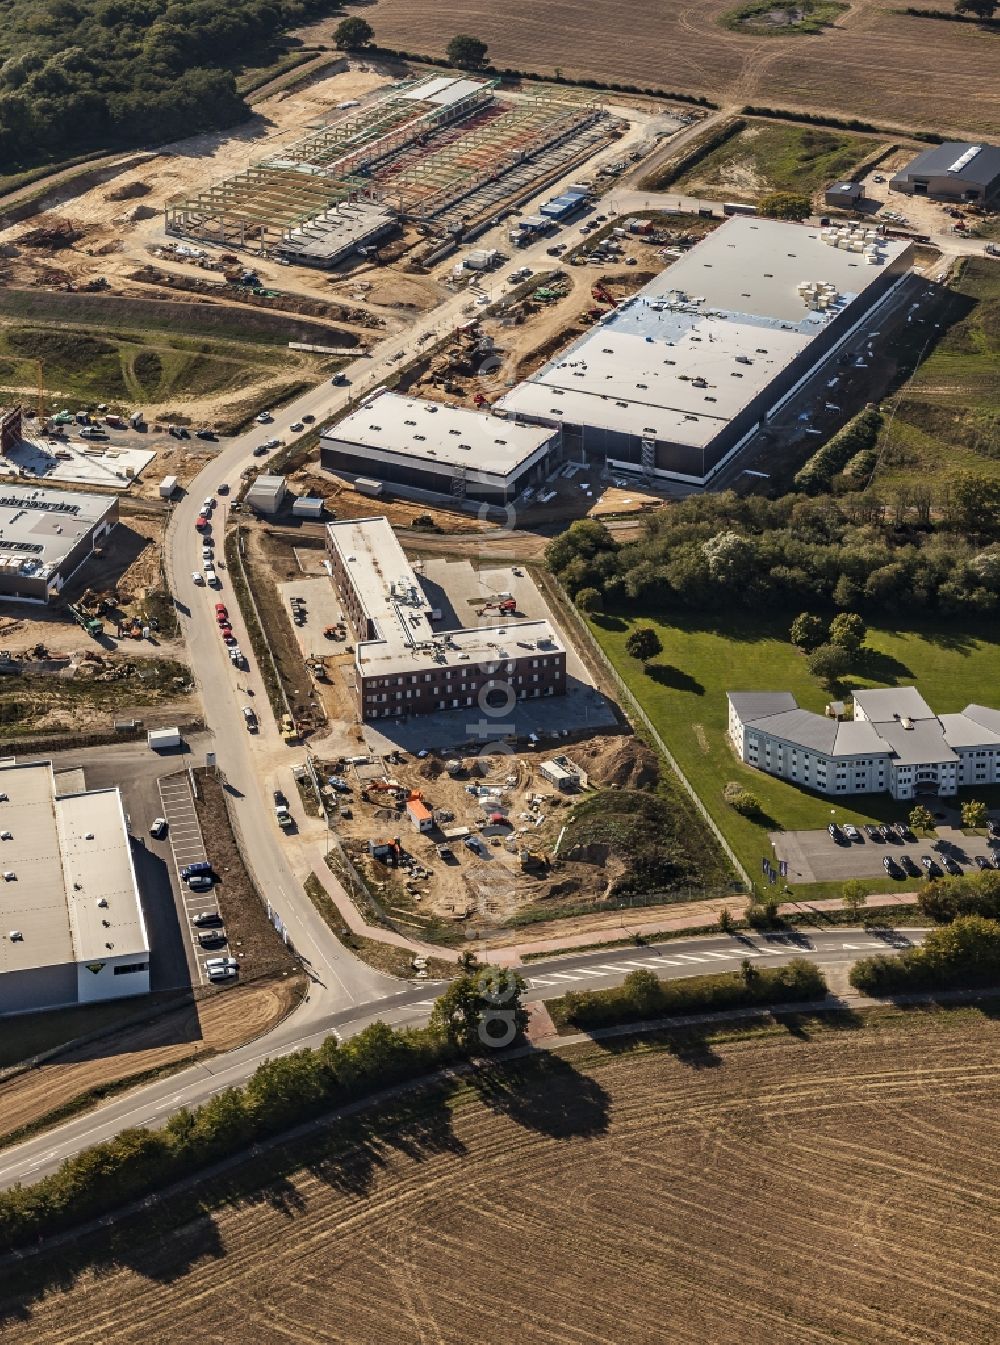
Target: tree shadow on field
<point x="880" y="667"/>
<point x="131" y="1246"/>
<point x="666" y="675"/>
<point x="690" y="1046"/>
<point x="606" y="622"/>
<point x="416" y="1126"/>
<point x="544" y="1093"/>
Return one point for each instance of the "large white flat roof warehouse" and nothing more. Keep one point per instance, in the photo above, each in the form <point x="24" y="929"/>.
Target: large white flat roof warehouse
<point x="428" y="446"/>
<point x="453" y="435"/>
<point x="69" y="900"/>
<point x="695" y="359"/>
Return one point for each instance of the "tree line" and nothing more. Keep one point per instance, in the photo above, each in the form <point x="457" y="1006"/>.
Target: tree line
<point x="81" y="74"/>
<point x="642" y="995"/>
<point x="280" y="1094"/>
<point x="962" y="955"/>
<point x="856" y="552"/>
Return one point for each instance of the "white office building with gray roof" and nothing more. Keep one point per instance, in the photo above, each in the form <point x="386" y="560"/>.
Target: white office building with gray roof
<point x="895" y="743"/>
<point x="72" y="929"/>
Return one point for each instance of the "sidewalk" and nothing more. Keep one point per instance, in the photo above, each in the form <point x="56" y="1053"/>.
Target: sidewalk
<point x="604" y="929"/>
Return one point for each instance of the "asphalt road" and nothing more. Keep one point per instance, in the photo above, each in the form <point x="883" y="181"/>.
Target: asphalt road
<point x="152" y="1104"/>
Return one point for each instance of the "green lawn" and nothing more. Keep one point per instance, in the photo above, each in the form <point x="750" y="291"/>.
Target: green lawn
<point x="685" y="696"/>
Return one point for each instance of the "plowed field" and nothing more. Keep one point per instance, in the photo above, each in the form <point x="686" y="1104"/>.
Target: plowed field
<point x="873" y="63"/>
<point x="804" y="1186"/>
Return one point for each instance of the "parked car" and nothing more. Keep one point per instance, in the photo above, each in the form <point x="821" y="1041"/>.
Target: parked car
<point x="221" y="973"/>
<point x="934" y="869"/>
<point x="200" y="882"/>
<point x="249" y="717"/>
<point x="911" y="868"/>
<point x="259" y="451"/>
<point x="952" y="865"/>
<point x="982" y="862"/>
<point x="211" y="962"/>
<point x="212" y="935"/>
<point x="852" y="833"/>
<point x="873" y="833"/>
<point x="833" y="829"/>
<point x="891" y="867"/>
<point x="199" y="866"/>
<point x="264" y="418"/>
<point x="198" y="578"/>
<point x="296" y="426"/>
<point x="207" y="918"/>
<point x="159" y="828"/>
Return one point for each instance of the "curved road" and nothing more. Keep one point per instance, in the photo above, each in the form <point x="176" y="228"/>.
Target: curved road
<point x="345" y="993"/>
<point x="675" y="959"/>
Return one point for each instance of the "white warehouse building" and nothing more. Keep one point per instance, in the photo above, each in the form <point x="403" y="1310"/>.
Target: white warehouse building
<point x="71" y="924"/>
<point x="895" y="743"/>
<point x="443" y="450"/>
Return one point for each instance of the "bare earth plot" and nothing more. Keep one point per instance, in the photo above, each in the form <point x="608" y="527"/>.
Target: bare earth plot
<point x="872" y="63"/>
<point x="823" y="1185"/>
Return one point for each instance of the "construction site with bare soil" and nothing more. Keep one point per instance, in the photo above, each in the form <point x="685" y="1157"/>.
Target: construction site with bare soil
<point x="325" y="208"/>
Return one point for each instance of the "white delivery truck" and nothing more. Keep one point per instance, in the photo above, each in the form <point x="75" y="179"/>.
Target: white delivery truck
<point x="162" y="740"/>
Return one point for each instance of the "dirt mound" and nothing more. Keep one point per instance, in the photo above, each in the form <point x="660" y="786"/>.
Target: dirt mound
<point x="620" y="763"/>
<point x="128" y="191"/>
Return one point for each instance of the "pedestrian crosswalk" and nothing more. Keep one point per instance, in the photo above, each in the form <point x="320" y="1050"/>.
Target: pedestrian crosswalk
<point x="708" y="958"/>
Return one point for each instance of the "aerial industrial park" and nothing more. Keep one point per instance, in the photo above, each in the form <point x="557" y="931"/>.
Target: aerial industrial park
<point x="491" y="560"/>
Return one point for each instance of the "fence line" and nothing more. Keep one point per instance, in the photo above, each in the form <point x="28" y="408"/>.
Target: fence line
<point x="634" y="711"/>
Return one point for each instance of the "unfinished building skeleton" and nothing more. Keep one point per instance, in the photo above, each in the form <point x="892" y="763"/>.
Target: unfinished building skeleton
<point x="414" y="153"/>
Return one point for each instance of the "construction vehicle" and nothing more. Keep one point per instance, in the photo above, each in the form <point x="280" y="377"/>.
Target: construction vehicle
<point x="602" y="294"/>
<point x="287" y="728"/>
<point x="505" y="606"/>
<point x="91" y="624"/>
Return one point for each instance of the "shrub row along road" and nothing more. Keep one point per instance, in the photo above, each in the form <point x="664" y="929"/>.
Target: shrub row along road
<point x="153" y="1104"/>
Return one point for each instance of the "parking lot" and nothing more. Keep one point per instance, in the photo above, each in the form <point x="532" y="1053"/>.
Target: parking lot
<point x="320" y="609"/>
<point x="814" y="856"/>
<point x="187" y="847"/>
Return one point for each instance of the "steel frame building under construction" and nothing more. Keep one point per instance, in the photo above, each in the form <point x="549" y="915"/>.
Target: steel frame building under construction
<point x="413" y="153"/>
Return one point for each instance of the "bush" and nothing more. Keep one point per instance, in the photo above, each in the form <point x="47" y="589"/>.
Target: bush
<point x="946" y="899"/>
<point x="961" y="955"/>
<point x="589" y="600"/>
<point x="642" y="995"/>
<point x="858" y="434"/>
<point x="352" y="34"/>
<point x="829" y="663"/>
<point x="807" y="632"/>
<point x="467" y="52"/>
<point x="643" y="644"/>
<point x="741" y="800"/>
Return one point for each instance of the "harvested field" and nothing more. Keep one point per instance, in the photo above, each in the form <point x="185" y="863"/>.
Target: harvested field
<point x="871" y="64"/>
<point x="816" y="1185"/>
<point x="219" y="1023"/>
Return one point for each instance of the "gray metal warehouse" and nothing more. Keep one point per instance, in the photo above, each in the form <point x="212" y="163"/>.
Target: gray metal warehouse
<point x="677" y="379"/>
<point x="956" y="171"/>
<point x="71" y="924"/>
<point x="45" y="536"/>
<point x="442" y="450"/>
